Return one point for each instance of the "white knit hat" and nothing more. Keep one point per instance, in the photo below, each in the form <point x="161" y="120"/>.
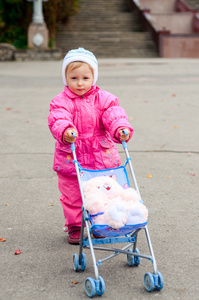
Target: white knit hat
<point x="80" y="54"/>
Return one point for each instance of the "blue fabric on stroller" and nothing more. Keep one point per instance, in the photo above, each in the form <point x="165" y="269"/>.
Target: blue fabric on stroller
<point x="121" y="176"/>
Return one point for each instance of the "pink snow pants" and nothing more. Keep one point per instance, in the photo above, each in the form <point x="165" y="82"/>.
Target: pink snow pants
<point x="70" y="199"/>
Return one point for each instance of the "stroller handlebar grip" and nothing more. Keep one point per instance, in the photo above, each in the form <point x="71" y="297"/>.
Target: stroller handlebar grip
<point x="73" y="144"/>
<point x="124" y="143"/>
<point x="125" y="131"/>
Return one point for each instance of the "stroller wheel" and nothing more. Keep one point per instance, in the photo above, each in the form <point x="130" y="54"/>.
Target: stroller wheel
<point x="83" y="262"/>
<point x="137" y="259"/>
<point x="130" y="258"/>
<point x="101" y="287"/>
<point x="149" y="282"/>
<point x="75" y="262"/>
<point x="160" y="284"/>
<point x="90" y="287"/>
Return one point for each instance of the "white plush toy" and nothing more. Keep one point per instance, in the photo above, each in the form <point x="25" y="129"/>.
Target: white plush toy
<point x="111" y="204"/>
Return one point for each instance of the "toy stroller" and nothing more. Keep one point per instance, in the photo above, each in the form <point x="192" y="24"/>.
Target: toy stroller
<point x="126" y="234"/>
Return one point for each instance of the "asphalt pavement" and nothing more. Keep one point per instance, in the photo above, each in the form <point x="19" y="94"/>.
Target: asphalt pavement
<point x="161" y="98"/>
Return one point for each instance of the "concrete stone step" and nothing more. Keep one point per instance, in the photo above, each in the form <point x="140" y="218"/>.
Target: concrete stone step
<point x="101" y="22"/>
<point x="106" y="28"/>
<point x="102" y="5"/>
<point x="108" y="34"/>
<point x="132" y="53"/>
<point x="133" y="44"/>
<point x="125" y="16"/>
<point x="100" y="27"/>
<point x="194" y="4"/>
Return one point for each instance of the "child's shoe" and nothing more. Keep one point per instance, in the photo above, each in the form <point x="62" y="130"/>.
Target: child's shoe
<point x="74" y="235"/>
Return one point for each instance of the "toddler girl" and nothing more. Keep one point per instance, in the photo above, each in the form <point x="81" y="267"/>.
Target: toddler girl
<point x="97" y="119"/>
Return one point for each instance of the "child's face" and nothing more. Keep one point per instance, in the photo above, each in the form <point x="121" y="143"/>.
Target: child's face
<point x="80" y="79"/>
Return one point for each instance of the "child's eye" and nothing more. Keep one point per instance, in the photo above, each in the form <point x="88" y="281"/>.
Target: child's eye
<point x="73" y="77"/>
<point x="85" y="78"/>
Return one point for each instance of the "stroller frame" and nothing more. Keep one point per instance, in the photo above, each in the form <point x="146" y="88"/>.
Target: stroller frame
<point x="92" y="286"/>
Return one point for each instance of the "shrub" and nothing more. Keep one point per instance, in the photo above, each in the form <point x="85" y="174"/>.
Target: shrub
<point x="13" y="22"/>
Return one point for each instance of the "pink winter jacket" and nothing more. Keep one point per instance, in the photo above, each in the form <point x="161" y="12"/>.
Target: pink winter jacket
<point x="97" y="117"/>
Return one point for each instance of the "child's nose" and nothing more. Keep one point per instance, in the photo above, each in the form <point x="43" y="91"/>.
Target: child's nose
<point x="80" y="82"/>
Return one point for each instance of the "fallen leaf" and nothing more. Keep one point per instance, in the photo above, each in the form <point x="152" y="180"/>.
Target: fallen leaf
<point x="168" y="176"/>
<point x="7" y="204"/>
<point x="75" y="282"/>
<point x="130" y="118"/>
<point x="2" y="240"/>
<point x="17" y="252"/>
<point x="149" y="176"/>
<point x="192" y="174"/>
<point x="173" y="95"/>
<point x="51" y="204"/>
<point x="175" y="126"/>
<point x="8" y="108"/>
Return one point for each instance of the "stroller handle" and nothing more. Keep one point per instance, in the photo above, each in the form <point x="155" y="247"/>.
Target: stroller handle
<point x="124" y="143"/>
<point x="73" y="144"/>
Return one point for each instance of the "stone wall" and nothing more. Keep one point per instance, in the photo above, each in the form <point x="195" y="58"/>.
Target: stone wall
<point x="9" y="53"/>
<point x="25" y="55"/>
<point x="178" y="46"/>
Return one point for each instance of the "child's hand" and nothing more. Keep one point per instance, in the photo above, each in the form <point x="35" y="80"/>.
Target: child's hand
<point x="123" y="136"/>
<point x="69" y="137"/>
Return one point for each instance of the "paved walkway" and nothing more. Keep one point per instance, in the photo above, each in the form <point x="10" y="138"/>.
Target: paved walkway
<point x="161" y="98"/>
